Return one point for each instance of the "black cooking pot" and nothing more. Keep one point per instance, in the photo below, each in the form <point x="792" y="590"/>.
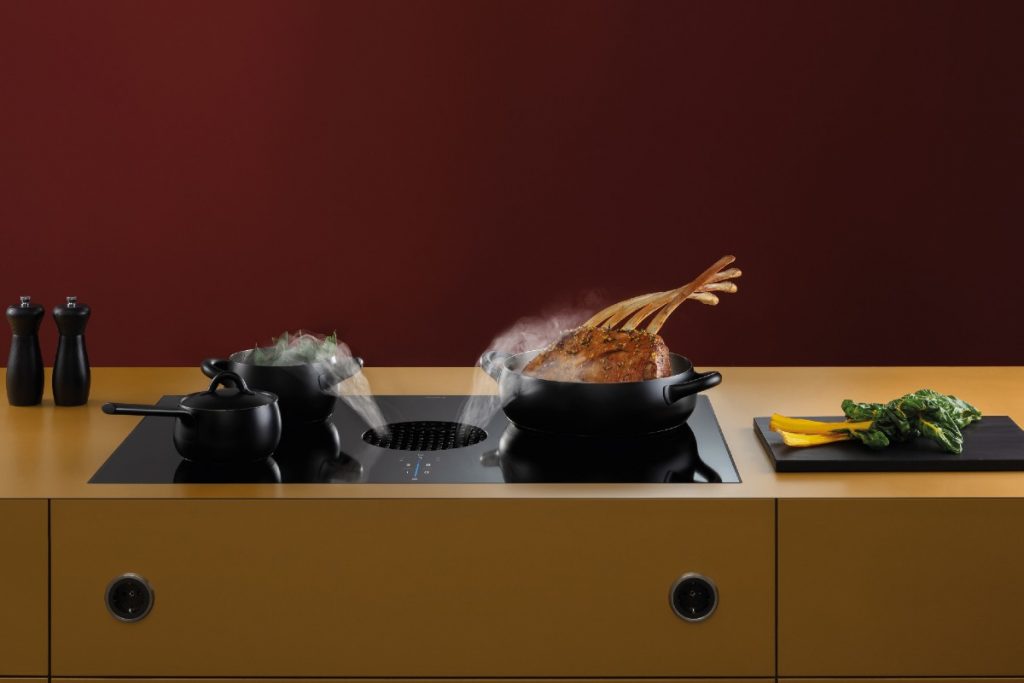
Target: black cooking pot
<point x="591" y="408"/>
<point x="302" y="389"/>
<point x="228" y="426"/>
<point x="671" y="456"/>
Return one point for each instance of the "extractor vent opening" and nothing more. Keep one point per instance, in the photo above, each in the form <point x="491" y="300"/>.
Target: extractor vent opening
<point x="424" y="436"/>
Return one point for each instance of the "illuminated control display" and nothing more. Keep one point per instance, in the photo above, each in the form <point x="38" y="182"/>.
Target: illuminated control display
<point x="419" y="467"/>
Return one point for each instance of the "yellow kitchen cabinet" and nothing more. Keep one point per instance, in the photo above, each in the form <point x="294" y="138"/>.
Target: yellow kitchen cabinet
<point x="413" y="587"/>
<point x="23" y="588"/>
<point x="408" y="680"/>
<point x="901" y="587"/>
<point x="902" y="680"/>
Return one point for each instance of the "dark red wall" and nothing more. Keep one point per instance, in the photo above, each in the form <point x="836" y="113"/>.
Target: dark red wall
<point x="419" y="175"/>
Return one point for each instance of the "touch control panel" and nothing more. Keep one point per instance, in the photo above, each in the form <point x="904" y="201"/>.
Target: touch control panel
<point x="419" y="467"/>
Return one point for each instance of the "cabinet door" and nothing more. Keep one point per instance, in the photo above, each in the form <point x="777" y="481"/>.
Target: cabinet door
<point x="901" y="587"/>
<point x="413" y="587"/>
<point x="23" y="588"/>
<point x="406" y="680"/>
<point x="959" y="679"/>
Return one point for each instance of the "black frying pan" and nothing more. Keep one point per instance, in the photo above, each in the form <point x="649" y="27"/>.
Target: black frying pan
<point x="593" y="408"/>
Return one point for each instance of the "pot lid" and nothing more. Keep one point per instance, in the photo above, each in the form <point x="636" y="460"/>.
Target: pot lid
<point x="221" y="397"/>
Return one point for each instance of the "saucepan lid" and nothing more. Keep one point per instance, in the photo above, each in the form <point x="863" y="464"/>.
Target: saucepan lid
<point x="221" y="397"/>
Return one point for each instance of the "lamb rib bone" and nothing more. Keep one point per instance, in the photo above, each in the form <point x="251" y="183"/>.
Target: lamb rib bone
<point x="639" y="308"/>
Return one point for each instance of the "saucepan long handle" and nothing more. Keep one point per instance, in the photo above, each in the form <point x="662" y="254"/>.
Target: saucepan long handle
<point x="136" y="409"/>
<point x="702" y="381"/>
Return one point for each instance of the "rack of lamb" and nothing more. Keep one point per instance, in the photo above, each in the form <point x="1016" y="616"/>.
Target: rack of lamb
<point x="612" y="347"/>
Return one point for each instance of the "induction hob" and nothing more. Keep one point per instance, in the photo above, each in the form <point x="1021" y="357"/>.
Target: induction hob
<point x="418" y="450"/>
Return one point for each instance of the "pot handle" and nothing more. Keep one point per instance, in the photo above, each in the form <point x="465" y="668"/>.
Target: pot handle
<point x="227" y="379"/>
<point x="136" y="409"/>
<point x="702" y="381"/>
<point x="492" y="362"/>
<point x="327" y="380"/>
<point x="212" y="367"/>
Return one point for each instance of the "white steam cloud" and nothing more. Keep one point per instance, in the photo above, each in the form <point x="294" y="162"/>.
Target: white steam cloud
<point x="527" y="334"/>
<point x="358" y="395"/>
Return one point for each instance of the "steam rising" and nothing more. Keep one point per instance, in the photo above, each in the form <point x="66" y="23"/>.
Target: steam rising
<point x="328" y="357"/>
<point x="527" y="334"/>
<point x="357" y="393"/>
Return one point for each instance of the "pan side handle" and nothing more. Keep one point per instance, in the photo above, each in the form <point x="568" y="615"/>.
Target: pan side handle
<point x="702" y="381"/>
<point x="211" y="367"/>
<point x="328" y="380"/>
<point x="493" y="362"/>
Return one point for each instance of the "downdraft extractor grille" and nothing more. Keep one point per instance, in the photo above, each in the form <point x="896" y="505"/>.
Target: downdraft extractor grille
<point x="425" y="436"/>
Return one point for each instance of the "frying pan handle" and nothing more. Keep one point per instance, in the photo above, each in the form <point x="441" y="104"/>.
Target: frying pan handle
<point x="328" y="380"/>
<point x="702" y="381"/>
<point x="136" y="409"/>
<point x="492" y="362"/>
<point x="212" y="367"/>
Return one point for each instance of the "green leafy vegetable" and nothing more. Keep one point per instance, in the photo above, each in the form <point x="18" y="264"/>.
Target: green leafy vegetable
<point x="296" y="349"/>
<point x="924" y="413"/>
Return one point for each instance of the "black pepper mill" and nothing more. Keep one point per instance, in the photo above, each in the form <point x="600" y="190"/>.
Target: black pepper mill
<point x="71" y="369"/>
<point x="25" y="364"/>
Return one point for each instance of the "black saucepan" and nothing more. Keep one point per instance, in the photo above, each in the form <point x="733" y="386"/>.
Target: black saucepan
<point x="233" y="425"/>
<point x="670" y="456"/>
<point x="302" y="389"/>
<point x="595" y="408"/>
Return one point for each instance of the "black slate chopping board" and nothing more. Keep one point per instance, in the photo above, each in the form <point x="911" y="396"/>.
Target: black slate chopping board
<point x="994" y="443"/>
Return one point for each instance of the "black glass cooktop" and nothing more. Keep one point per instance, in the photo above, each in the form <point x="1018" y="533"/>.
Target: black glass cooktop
<point x="426" y="443"/>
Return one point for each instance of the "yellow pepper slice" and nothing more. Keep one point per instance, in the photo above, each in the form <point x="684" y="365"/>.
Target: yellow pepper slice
<point x="800" y="440"/>
<point x="781" y="423"/>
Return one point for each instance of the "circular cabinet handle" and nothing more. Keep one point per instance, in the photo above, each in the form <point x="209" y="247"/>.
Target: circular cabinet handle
<point x="693" y="597"/>
<point x="129" y="597"/>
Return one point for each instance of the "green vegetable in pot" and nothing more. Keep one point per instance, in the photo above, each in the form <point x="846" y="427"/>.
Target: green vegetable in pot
<point x="298" y="348"/>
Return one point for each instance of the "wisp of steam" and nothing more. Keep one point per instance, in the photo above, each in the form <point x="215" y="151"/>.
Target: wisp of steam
<point x="527" y="334"/>
<point x="329" y="357"/>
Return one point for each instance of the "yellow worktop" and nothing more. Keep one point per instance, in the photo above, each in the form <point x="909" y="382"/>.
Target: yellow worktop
<point x="51" y="452"/>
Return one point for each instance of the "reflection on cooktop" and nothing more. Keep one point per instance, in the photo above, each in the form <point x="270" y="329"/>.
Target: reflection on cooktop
<point x="670" y="456"/>
<point x="259" y="472"/>
<point x="432" y="450"/>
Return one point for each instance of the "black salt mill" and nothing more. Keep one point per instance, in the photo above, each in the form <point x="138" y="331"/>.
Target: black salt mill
<point x="25" y="364"/>
<point x="71" y="368"/>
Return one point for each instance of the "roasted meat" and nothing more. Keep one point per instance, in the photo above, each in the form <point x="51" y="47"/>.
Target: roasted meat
<point x="589" y="354"/>
<point x="600" y="351"/>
